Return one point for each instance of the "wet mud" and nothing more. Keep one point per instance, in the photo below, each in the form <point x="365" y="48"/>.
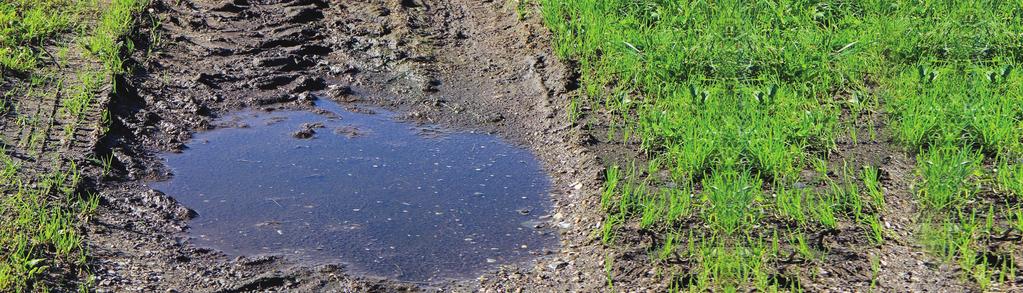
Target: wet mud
<point x="466" y="65"/>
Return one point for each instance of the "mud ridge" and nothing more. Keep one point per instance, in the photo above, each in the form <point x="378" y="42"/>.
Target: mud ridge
<point x="462" y="64"/>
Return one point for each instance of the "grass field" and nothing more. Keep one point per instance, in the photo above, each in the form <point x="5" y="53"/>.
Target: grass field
<point x="54" y="55"/>
<point x="737" y="106"/>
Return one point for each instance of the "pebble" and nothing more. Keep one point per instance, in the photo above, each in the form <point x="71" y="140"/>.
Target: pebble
<point x="557" y="265"/>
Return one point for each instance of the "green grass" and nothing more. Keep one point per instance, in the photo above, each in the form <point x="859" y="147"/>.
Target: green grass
<point x="736" y="100"/>
<point x="41" y="211"/>
<point x="959" y="110"/>
<point x="107" y="40"/>
<point x="40" y="234"/>
<point x="964" y="120"/>
<point x="25" y="25"/>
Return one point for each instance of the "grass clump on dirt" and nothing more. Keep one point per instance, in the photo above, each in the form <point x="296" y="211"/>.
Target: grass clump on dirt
<point x="26" y="24"/>
<point x="956" y="105"/>
<point x="736" y="107"/>
<point x="963" y="121"/>
<point x="54" y="54"/>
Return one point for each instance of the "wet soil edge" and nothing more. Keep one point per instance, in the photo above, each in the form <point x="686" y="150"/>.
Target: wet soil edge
<point x="484" y="69"/>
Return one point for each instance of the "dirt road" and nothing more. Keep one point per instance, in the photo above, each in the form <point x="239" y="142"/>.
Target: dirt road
<point x="463" y="64"/>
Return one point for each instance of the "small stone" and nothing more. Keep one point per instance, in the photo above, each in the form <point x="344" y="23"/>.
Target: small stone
<point x="306" y="97"/>
<point x="557" y="265"/>
<point x="307" y="131"/>
<point x="304" y="134"/>
<point x="183" y="213"/>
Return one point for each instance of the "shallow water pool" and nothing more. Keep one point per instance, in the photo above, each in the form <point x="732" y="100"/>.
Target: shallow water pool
<point x="387" y="198"/>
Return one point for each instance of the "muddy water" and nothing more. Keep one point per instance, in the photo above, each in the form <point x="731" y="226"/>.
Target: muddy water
<point x="387" y="198"/>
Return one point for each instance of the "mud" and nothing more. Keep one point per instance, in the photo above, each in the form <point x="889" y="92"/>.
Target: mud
<point x="461" y="64"/>
<point x="471" y="65"/>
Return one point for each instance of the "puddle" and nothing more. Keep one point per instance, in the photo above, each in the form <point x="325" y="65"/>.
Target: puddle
<point x="388" y="198"/>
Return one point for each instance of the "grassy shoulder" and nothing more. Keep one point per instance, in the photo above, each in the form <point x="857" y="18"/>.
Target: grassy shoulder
<point x="738" y="105"/>
<point x="55" y="57"/>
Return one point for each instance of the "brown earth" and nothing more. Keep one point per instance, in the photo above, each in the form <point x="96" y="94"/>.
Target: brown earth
<point x="459" y="63"/>
<point x="462" y="64"/>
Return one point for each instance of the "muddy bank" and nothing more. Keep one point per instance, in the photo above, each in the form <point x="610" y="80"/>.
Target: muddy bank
<point x="461" y="64"/>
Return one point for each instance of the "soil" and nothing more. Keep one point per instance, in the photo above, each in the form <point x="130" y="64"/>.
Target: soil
<point x="462" y="64"/>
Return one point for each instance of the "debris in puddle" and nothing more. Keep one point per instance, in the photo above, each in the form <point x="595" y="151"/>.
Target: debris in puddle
<point x="304" y="133"/>
<point x="275" y="120"/>
<point x="307" y="130"/>
<point x="348" y="131"/>
<point x="439" y="195"/>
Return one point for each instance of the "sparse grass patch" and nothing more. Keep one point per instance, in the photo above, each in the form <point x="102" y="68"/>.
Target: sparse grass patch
<point x="107" y="40"/>
<point x="964" y="120"/>
<point x="42" y="207"/>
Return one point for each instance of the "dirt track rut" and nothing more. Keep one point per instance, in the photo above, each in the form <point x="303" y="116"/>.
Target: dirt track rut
<point x="463" y="64"/>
